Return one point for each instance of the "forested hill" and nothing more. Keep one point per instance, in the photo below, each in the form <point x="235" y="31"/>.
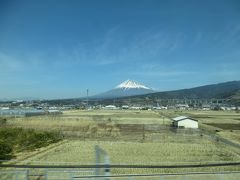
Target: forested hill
<point x="225" y="90"/>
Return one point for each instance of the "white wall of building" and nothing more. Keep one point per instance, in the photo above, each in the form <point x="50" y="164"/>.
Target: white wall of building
<point x="188" y="123"/>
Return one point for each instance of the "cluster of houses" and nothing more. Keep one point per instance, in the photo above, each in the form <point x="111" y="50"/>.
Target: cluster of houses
<point x="113" y="107"/>
<point x="158" y="104"/>
<point x="177" y="107"/>
<point x="27" y="112"/>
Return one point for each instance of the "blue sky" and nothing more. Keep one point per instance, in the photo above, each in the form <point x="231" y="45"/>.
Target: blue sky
<point x="59" y="48"/>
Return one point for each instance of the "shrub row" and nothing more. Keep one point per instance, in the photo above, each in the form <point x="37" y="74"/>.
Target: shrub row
<point x="19" y="139"/>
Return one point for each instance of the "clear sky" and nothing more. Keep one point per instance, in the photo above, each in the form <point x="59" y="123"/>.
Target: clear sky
<point x="59" y="48"/>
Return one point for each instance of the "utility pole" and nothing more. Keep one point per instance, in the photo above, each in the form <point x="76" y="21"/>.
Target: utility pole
<point x="87" y="98"/>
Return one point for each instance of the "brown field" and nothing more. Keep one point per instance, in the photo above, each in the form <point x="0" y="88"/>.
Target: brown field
<point x="134" y="137"/>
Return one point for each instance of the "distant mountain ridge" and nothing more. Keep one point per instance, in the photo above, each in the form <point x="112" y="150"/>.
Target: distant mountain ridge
<point x="125" y="89"/>
<point x="227" y="90"/>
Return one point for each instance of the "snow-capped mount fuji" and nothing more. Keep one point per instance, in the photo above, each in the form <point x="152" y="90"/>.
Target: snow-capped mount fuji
<point x="128" y="84"/>
<point x="126" y="88"/>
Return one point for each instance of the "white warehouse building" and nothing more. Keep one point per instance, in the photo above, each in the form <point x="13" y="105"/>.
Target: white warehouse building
<point x="185" y="122"/>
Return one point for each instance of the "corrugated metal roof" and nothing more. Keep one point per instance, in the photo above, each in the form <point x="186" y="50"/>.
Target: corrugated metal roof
<point x="180" y="118"/>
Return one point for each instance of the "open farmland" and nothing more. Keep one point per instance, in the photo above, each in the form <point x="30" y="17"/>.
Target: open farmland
<point x="132" y="125"/>
<point x="87" y="124"/>
<point x="212" y="117"/>
<point x="169" y="153"/>
<point x="226" y="124"/>
<point x="129" y="137"/>
<point x="71" y="119"/>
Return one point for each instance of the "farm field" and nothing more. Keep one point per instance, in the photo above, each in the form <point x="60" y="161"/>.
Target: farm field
<point x="169" y="153"/>
<point x="82" y="116"/>
<point x="133" y="138"/>
<point x="85" y="124"/>
<point x="125" y="124"/>
<point x="226" y="124"/>
<point x="218" y="117"/>
<point x="75" y="152"/>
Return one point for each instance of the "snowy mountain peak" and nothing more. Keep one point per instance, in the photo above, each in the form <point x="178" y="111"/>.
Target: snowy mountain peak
<point x="126" y="88"/>
<point x="129" y="84"/>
